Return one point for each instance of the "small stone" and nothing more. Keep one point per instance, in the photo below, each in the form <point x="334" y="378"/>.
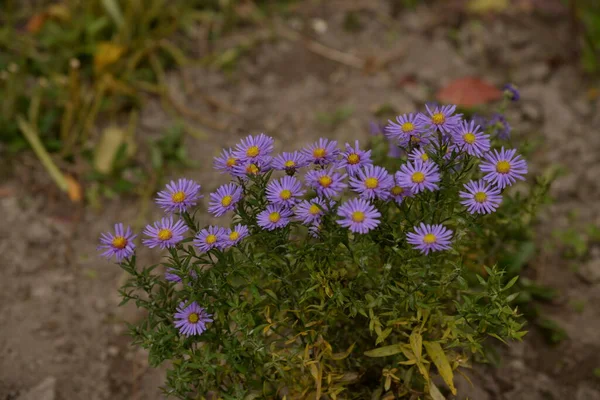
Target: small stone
<point x="113" y="351"/>
<point x="532" y="112"/>
<point x="46" y="390"/>
<point x="590" y="271"/>
<point x="539" y="71"/>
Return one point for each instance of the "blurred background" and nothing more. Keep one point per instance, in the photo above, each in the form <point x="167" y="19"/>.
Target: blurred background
<point x="103" y="101"/>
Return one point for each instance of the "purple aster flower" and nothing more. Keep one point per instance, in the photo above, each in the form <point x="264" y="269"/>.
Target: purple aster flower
<point x="311" y="211"/>
<point x="326" y="182"/>
<point x="250" y="168"/>
<point x="323" y="152"/>
<point x="209" y="238"/>
<point x="354" y="158"/>
<point x="359" y="215"/>
<point x="511" y="92"/>
<point x="315" y="229"/>
<point x="179" y="196"/>
<point x="254" y="148"/>
<point x="398" y="192"/>
<point x="290" y="162"/>
<point x="375" y="128"/>
<point x="171" y="276"/>
<point x="191" y="320"/>
<point x="119" y="245"/>
<point x="406" y="125"/>
<point x="419" y="154"/>
<point x="224" y="199"/>
<point x="418" y="176"/>
<point x="275" y="216"/>
<point x="441" y="119"/>
<point x="164" y="233"/>
<point x="500" y="126"/>
<point x="421" y="139"/>
<point x="233" y="236"/>
<point x="395" y="151"/>
<point x="372" y="182"/>
<point x="480" y="198"/>
<point x="479" y="120"/>
<point x="503" y="167"/>
<point x="284" y="191"/>
<point x="429" y="238"/>
<point x="468" y="137"/>
<point x="226" y="162"/>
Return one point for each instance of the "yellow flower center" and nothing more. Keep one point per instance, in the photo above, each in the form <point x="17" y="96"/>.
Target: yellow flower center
<point x="424" y="157"/>
<point x="397" y="190"/>
<point x="371" y="183"/>
<point x="234" y="235"/>
<point x="252" y="169"/>
<point x="418" y="177"/>
<point x="358" y="216"/>
<point x="193" y="318"/>
<point x="415" y="139"/>
<point x="165" y="234"/>
<point x="429" y="238"/>
<point x="353" y="159"/>
<point x="290" y="164"/>
<point x="408" y="127"/>
<point x="274" y="217"/>
<point x="480" y="197"/>
<point x="178" y="197"/>
<point x="231" y="162"/>
<point x="285" y="194"/>
<point x="469" y="138"/>
<point x="319" y="152"/>
<point x="325" y="181"/>
<point x="210" y="239"/>
<point x="226" y="200"/>
<point x="314" y="209"/>
<point x="253" y="151"/>
<point x="438" y="118"/>
<point x="119" y="242"/>
<point x="503" y="167"/>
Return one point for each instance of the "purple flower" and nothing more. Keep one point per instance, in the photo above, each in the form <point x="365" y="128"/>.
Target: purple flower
<point x="326" y="182"/>
<point x="418" y="154"/>
<point x="179" y="196"/>
<point x="441" y="119"/>
<point x="323" y="152"/>
<point x="359" y="215"/>
<point x="191" y="320"/>
<point x="275" y="216"/>
<point x="250" y="168"/>
<point x="164" y="233"/>
<point x="375" y="128"/>
<point x="171" y="276"/>
<point x="224" y="199"/>
<point x="468" y="137"/>
<point x="209" y="238"/>
<point x="290" y="162"/>
<point x="395" y="151"/>
<point x="119" y="245"/>
<point x="284" y="191"/>
<point x="480" y="198"/>
<point x="233" y="236"/>
<point x="500" y="126"/>
<point x="254" y="148"/>
<point x="503" y="167"/>
<point x="511" y="92"/>
<point x="429" y="238"/>
<point x="354" y="158"/>
<point x="226" y="162"/>
<point x="418" y="176"/>
<point x="311" y="211"/>
<point x="372" y="182"/>
<point x="398" y="192"/>
<point x="406" y="125"/>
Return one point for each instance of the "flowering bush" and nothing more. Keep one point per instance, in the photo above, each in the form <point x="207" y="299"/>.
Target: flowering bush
<point x="334" y="277"/>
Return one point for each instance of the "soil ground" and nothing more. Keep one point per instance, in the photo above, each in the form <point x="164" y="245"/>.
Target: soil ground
<point x="62" y="332"/>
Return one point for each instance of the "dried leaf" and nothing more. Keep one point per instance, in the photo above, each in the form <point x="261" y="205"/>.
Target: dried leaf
<point x="437" y="355"/>
<point x="111" y="142"/>
<point x="469" y="92"/>
<point x="36" y="22"/>
<point x="74" y="189"/>
<point x="107" y="53"/>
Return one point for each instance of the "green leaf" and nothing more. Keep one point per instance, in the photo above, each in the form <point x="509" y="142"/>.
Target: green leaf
<point x="384" y="351"/>
<point x="511" y="283"/>
<point x="437" y="355"/>
<point x="435" y="392"/>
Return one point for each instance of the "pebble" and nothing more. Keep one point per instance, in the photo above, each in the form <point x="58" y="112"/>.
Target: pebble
<point x="46" y="390"/>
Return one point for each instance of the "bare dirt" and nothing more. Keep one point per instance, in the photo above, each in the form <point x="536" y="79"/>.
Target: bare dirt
<point x="62" y="335"/>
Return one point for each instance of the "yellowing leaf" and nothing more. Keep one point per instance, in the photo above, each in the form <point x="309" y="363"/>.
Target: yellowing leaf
<point x="435" y="392"/>
<point x="341" y="356"/>
<point x="112" y="140"/>
<point x="487" y="6"/>
<point x="74" y="189"/>
<point x="384" y="351"/>
<point x="437" y="355"/>
<point x="416" y="344"/>
<point x="107" y="53"/>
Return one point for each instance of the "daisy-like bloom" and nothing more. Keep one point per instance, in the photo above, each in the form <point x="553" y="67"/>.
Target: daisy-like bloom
<point x="254" y="148"/>
<point x="224" y="199"/>
<point x="179" y="196"/>
<point x="311" y="211"/>
<point x="406" y="125"/>
<point x="441" y="118"/>
<point x="480" y="198"/>
<point x="275" y="216"/>
<point x="418" y="154"/>
<point x="119" y="245"/>
<point x="503" y="167"/>
<point x="209" y="238"/>
<point x="226" y="162"/>
<point x="252" y="168"/>
<point x="233" y="236"/>
<point x="284" y="191"/>
<point x="323" y="152"/>
<point x="372" y="182"/>
<point x="359" y="215"/>
<point x="468" y="137"/>
<point x="290" y="162"/>
<point x="326" y="182"/>
<point x="191" y="320"/>
<point x="354" y="158"/>
<point x="418" y="176"/>
<point x="500" y="126"/>
<point x="429" y="238"/>
<point x="398" y="192"/>
<point x="511" y="92"/>
<point x="165" y="233"/>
